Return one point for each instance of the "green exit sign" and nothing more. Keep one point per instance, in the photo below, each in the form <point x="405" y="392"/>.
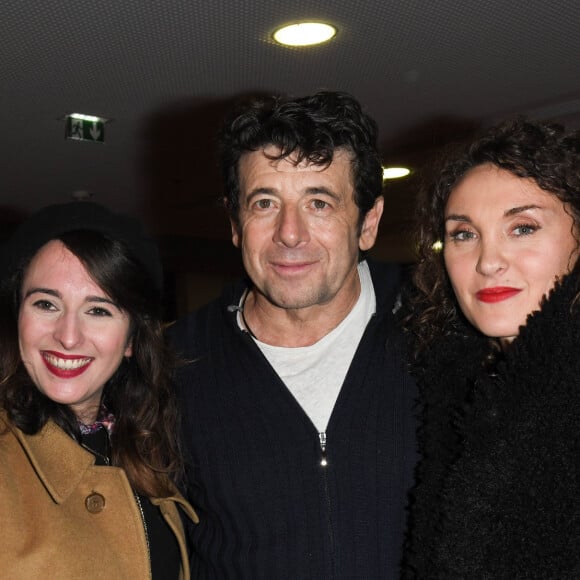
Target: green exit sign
<point x="85" y="128"/>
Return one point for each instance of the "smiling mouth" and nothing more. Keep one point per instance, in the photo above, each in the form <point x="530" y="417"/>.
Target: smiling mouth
<point x="66" y="364"/>
<point x="291" y="267"/>
<point x="66" y="367"/>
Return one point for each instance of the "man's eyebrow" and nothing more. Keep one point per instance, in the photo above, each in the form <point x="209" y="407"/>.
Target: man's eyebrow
<point x="316" y="190"/>
<point x="260" y="191"/>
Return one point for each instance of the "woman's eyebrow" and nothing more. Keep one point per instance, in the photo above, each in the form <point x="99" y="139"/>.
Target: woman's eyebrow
<point x="38" y="290"/>
<point x="456" y="217"/>
<point x="520" y="209"/>
<point x="57" y="294"/>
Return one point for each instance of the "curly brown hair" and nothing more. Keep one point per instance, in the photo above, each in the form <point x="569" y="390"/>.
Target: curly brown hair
<point x="313" y="128"/>
<point x="543" y="151"/>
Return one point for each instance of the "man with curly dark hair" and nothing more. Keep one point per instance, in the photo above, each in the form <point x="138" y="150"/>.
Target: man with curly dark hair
<point x="496" y="328"/>
<point x="299" y="411"/>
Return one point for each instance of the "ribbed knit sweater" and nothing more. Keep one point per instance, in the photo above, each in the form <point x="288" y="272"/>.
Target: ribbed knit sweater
<point x="268" y="508"/>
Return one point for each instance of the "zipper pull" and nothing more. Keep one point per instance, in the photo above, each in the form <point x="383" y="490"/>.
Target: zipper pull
<point x="322" y="437"/>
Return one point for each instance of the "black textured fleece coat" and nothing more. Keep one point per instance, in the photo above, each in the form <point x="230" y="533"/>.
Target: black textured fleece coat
<point x="498" y="490"/>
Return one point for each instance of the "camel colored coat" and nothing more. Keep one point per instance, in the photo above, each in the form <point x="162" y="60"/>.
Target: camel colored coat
<point x="63" y="517"/>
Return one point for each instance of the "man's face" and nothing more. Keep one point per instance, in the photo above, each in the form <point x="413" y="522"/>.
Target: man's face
<point x="298" y="229"/>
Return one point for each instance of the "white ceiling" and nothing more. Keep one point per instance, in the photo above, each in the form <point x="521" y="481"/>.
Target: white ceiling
<point x="164" y="72"/>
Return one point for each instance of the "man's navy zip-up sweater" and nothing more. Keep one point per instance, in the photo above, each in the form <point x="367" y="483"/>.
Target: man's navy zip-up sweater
<point x="268" y="509"/>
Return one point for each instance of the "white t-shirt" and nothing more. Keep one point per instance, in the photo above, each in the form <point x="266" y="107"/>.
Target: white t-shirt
<point x="314" y="374"/>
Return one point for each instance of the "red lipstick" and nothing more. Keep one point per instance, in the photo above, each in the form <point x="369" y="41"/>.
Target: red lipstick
<point x="65" y="366"/>
<point x="496" y="294"/>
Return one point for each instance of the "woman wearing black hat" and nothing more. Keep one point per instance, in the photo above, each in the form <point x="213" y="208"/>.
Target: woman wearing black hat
<point x="88" y="456"/>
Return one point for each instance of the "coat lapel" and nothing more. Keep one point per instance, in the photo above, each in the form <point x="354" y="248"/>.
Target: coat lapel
<point x="59" y="461"/>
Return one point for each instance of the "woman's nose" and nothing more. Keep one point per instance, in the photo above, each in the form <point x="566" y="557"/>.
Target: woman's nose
<point x="68" y="330"/>
<point x="492" y="258"/>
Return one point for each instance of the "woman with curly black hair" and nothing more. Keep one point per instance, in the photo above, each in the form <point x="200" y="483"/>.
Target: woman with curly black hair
<point x="88" y="456"/>
<point x="495" y="327"/>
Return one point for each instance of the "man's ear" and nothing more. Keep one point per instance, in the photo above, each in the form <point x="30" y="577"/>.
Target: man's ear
<point x="236" y="235"/>
<point x="370" y="226"/>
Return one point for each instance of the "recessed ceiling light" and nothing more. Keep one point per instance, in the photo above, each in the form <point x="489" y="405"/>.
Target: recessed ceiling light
<point x="395" y="172"/>
<point x="304" y="33"/>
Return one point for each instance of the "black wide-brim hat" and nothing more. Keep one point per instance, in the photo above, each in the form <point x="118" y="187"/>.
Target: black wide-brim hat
<point x="54" y="220"/>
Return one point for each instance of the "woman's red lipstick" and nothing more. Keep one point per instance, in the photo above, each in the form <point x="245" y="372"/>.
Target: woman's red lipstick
<point x="496" y="294"/>
<point x="65" y="366"/>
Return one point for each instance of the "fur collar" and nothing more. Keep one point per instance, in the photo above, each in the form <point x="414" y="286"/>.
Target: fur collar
<point x="497" y="492"/>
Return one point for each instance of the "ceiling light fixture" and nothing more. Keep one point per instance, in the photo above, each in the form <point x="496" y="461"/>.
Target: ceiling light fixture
<point x="395" y="172"/>
<point x="304" y="34"/>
